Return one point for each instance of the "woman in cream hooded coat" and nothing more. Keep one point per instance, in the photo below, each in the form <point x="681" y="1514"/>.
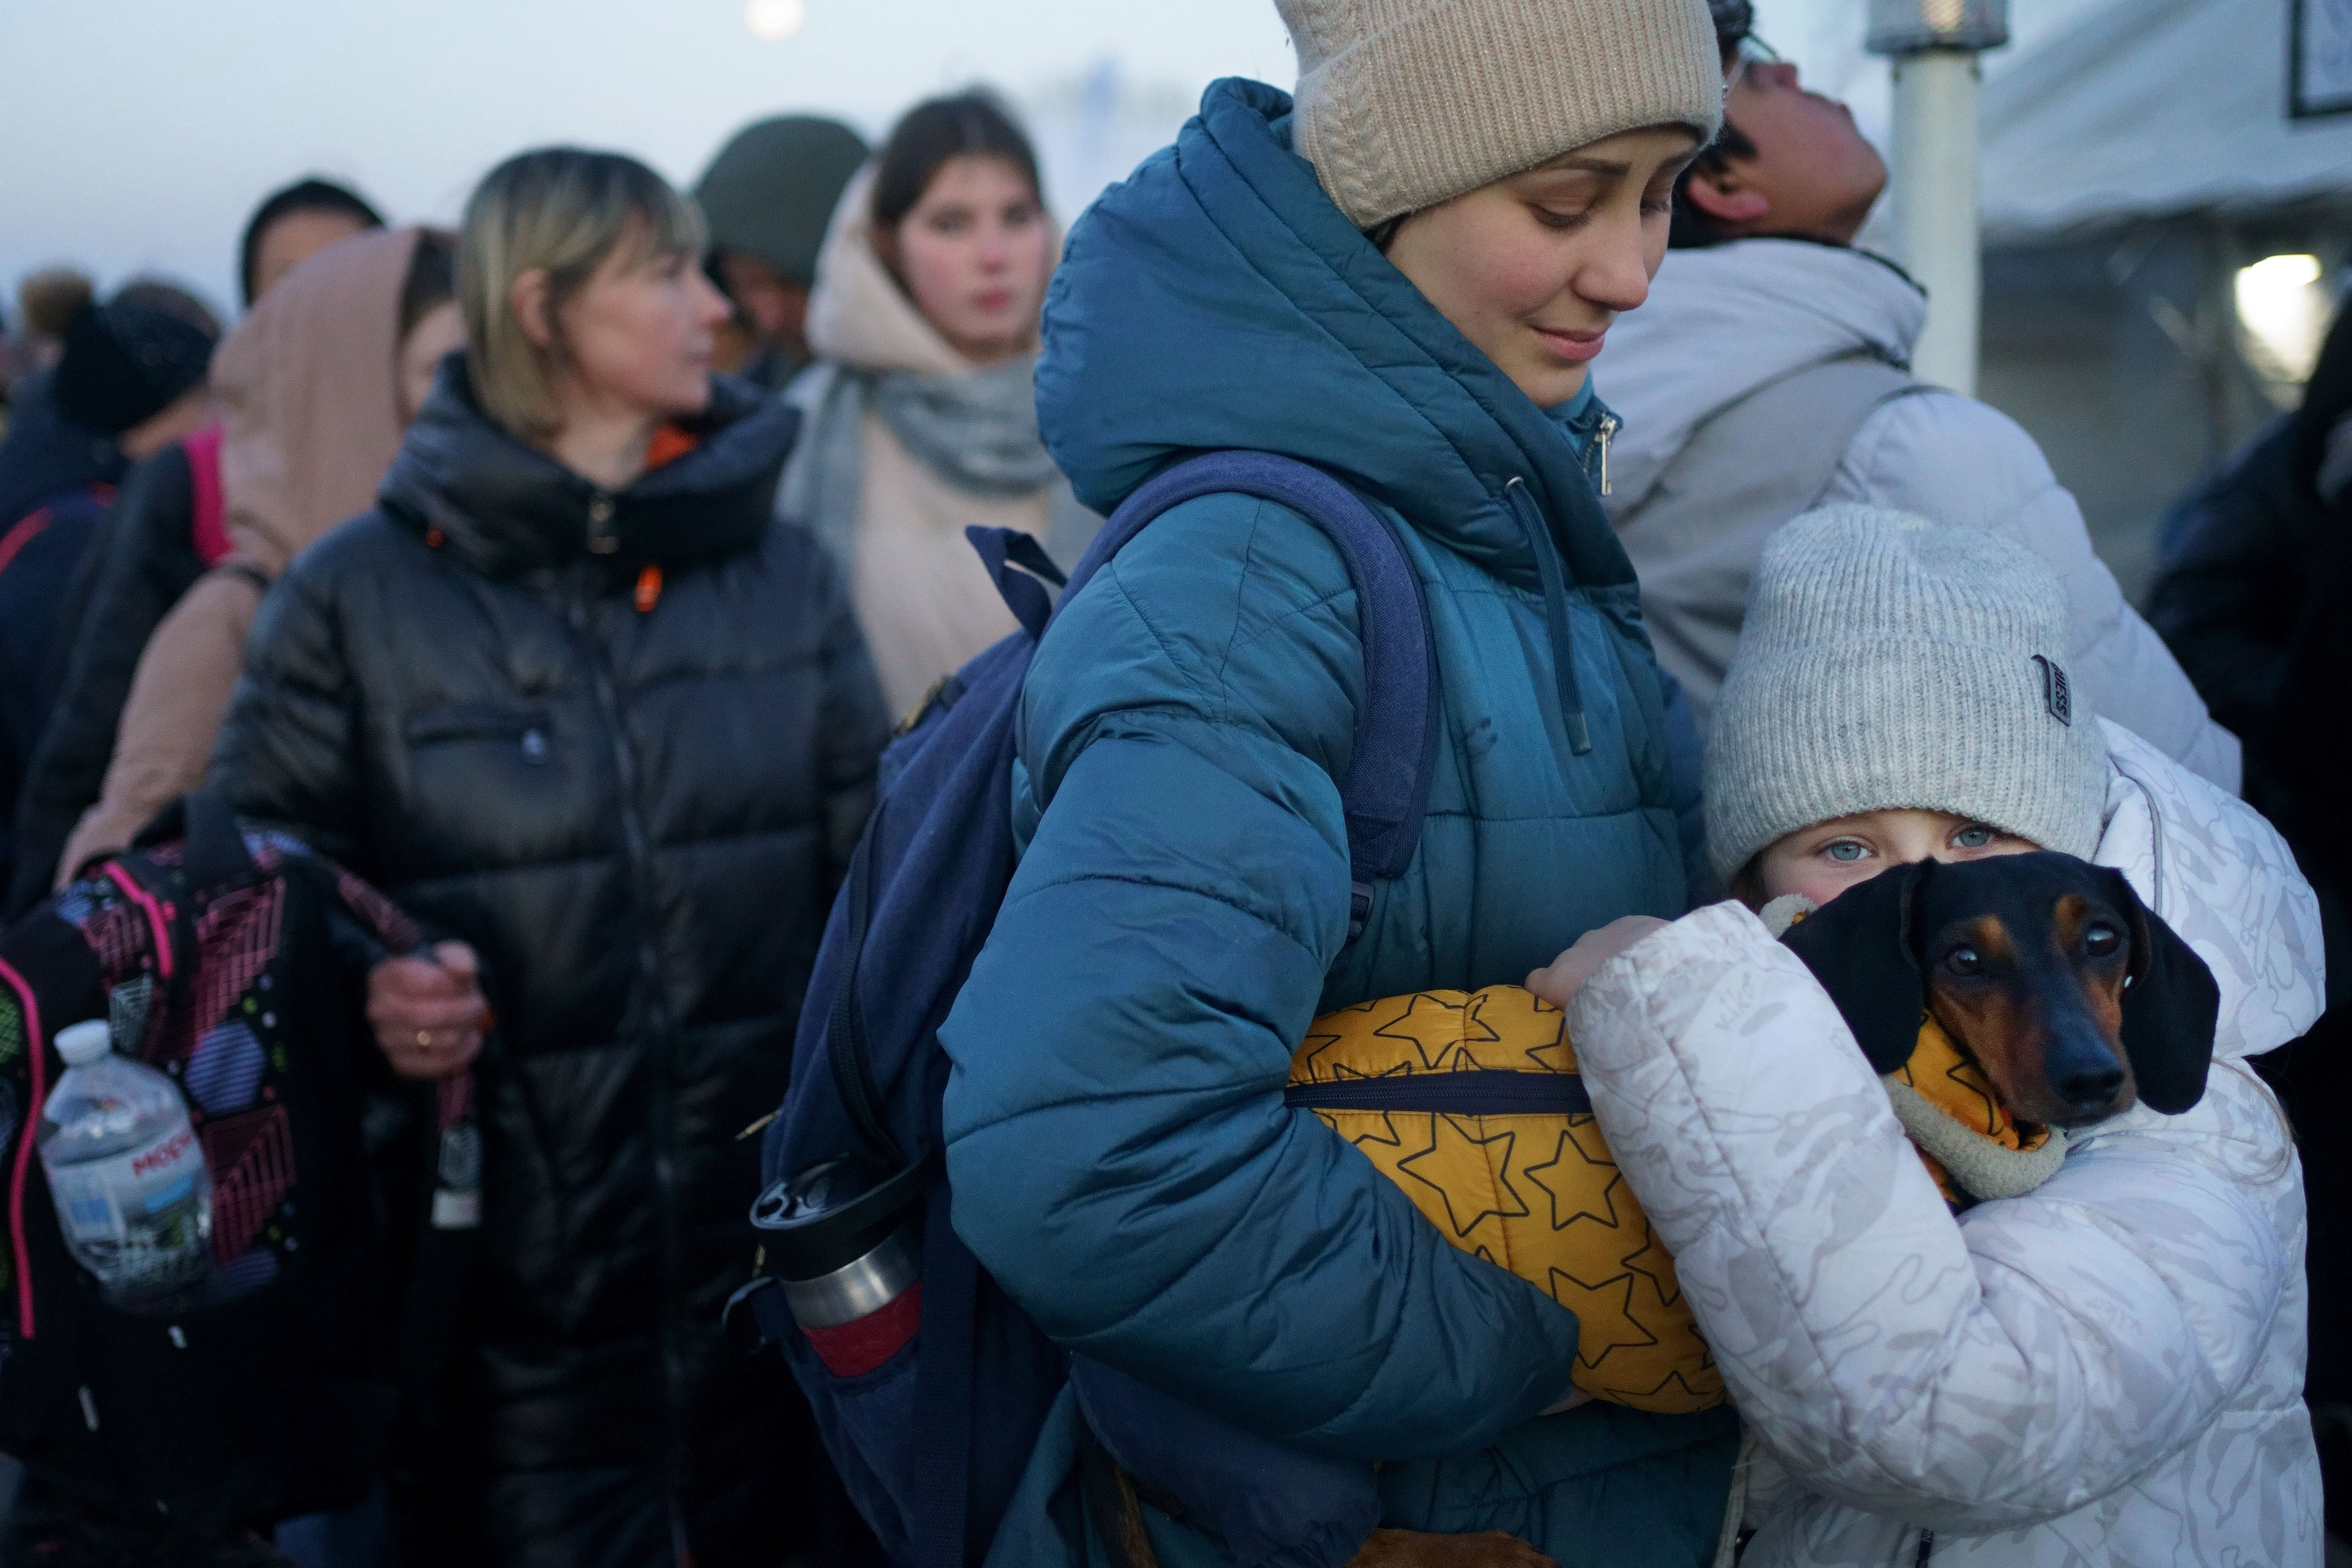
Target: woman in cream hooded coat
<point x="314" y="388"/>
<point x="920" y="415"/>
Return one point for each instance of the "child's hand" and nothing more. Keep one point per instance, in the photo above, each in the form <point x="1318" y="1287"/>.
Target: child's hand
<point x="1567" y="974"/>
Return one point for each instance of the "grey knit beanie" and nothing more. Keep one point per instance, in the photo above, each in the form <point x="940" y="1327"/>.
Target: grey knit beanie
<point x="1402" y="104"/>
<point x="1889" y="662"/>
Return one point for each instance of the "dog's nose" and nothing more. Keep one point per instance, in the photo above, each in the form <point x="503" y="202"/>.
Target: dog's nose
<point x="2091" y="1088"/>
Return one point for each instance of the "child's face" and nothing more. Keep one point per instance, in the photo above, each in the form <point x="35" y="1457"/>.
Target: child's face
<point x="1825" y="859"/>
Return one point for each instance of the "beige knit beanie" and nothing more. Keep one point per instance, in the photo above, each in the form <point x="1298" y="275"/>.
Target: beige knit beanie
<point x="1402" y="104"/>
<point x="1889" y="662"/>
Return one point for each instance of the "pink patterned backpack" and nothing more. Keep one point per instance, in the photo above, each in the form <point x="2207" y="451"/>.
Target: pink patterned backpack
<point x="233" y="960"/>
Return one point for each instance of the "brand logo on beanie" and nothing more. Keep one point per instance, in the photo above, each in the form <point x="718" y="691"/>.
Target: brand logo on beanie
<point x="2056" y="694"/>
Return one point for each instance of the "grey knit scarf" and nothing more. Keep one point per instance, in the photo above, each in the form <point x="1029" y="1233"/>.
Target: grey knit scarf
<point x="976" y="431"/>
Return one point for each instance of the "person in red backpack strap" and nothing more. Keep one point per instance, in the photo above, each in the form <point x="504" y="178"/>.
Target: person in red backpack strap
<point x="167" y="529"/>
<point x="573" y="700"/>
<point x="314" y="388"/>
<point x="130" y="381"/>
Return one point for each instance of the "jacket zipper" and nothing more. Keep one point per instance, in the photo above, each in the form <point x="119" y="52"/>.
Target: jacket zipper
<point x="1553" y="575"/>
<point x="1480" y="1093"/>
<point x="603" y="534"/>
<point x="658" y="1064"/>
<point x="1603" y="436"/>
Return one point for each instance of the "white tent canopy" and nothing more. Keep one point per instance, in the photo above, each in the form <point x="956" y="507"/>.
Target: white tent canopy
<point x="2154" y="108"/>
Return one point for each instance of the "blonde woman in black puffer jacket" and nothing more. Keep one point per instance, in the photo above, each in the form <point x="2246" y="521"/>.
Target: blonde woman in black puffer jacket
<point x="572" y="697"/>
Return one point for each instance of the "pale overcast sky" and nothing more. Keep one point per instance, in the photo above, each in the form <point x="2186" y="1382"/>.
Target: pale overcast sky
<point x="136" y="134"/>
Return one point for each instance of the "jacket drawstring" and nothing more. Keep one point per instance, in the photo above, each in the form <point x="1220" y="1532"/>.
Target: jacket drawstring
<point x="1555" y="590"/>
<point x="1735" y="1506"/>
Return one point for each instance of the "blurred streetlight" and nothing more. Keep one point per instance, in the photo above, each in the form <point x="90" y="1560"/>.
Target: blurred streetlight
<point x="2284" y="306"/>
<point x="774" y="19"/>
<point x="1934" y="45"/>
<point x="1908" y="26"/>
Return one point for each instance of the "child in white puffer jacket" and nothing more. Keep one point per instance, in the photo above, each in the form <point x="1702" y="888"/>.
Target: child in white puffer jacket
<point x="2107" y="1370"/>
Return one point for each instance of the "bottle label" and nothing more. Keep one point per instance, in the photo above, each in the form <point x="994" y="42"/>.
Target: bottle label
<point x="101" y="1199"/>
<point x="454" y="1210"/>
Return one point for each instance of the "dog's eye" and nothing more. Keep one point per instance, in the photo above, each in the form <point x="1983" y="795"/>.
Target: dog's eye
<point x="2102" y="941"/>
<point x="1964" y="962"/>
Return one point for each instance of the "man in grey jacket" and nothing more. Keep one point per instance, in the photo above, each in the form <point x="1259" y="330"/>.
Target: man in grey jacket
<point x="1769" y="373"/>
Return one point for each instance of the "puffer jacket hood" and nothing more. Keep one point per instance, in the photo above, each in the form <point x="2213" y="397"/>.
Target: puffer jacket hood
<point x="2105" y="1370"/>
<point x="1255" y="315"/>
<point x="505" y="508"/>
<point x="1724" y="320"/>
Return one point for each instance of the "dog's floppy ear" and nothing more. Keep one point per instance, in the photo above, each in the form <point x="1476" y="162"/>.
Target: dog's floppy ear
<point x="2170" y="1007"/>
<point x="1859" y="946"/>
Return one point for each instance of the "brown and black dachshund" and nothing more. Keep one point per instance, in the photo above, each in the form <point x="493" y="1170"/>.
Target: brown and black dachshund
<point x="2071" y="994"/>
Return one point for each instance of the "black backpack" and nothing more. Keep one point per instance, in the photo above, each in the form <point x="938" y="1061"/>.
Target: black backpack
<point x="232" y="959"/>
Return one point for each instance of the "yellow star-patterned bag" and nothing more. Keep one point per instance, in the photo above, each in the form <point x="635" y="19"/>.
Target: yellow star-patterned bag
<point x="1470" y="1102"/>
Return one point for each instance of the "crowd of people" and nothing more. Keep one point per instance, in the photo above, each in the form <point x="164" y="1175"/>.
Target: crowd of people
<point x="563" y="575"/>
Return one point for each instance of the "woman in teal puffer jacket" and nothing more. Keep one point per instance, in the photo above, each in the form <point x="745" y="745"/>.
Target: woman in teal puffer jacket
<point x="1402" y="280"/>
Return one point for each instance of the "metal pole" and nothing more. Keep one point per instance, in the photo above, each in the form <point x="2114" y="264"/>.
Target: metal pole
<point x="1934" y="45"/>
<point x="1936" y="207"/>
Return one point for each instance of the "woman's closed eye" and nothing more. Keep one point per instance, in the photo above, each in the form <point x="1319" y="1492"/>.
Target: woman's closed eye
<point x="1658" y="200"/>
<point x="1551" y="219"/>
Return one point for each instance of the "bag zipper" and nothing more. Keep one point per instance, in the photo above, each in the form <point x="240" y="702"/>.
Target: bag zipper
<point x="158" y="920"/>
<point x="845" y="1040"/>
<point x="1478" y="1093"/>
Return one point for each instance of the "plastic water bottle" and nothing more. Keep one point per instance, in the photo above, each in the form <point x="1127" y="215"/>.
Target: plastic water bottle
<point x="127" y="1173"/>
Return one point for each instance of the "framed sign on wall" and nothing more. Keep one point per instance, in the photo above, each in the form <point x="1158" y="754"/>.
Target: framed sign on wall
<point x="2319" y="58"/>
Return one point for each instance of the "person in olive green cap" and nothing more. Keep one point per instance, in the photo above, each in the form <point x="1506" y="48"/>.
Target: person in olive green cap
<point x="768" y="197"/>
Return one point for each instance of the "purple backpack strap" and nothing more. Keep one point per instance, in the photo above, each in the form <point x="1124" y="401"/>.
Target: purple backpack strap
<point x="1386" y="791"/>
